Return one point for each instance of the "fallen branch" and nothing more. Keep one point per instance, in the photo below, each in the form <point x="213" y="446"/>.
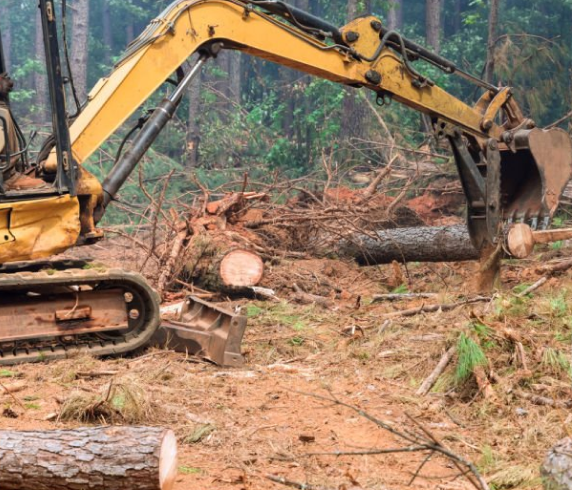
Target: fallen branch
<point x="434" y="308"/>
<point x="309" y="299"/>
<point x="543" y="400"/>
<point x="378" y="298"/>
<point x="432" y="378"/>
<point x="424" y="442"/>
<point x="532" y="288"/>
<point x="294" y="484"/>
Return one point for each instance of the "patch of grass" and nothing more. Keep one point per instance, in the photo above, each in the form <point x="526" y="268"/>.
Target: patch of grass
<point x="6" y="373"/>
<point x="521" y="287"/>
<point x="32" y="406"/>
<point x="400" y="289"/>
<point x="126" y="402"/>
<point x="557" y="245"/>
<point x="488" y="459"/>
<point x="253" y="310"/>
<point x="558" y="305"/>
<point x="512" y="307"/>
<point x="470" y="355"/>
<point x="189" y="470"/>
<point x="515" y="476"/>
<point x="198" y="433"/>
<point x="296" y="341"/>
<point x="556" y="362"/>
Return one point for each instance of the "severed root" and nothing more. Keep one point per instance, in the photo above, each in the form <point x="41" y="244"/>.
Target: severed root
<point x="488" y="275"/>
<point x="484" y="384"/>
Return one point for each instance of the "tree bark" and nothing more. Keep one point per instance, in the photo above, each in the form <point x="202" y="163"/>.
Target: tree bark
<point x="40" y="78"/>
<point x="6" y="26"/>
<point x="433" y="24"/>
<point x="493" y="26"/>
<point x="107" y="30"/>
<point x="425" y="244"/>
<point x="193" y="126"/>
<point x="353" y="122"/>
<point x="96" y="458"/>
<point x="79" y="52"/>
<point x="395" y="15"/>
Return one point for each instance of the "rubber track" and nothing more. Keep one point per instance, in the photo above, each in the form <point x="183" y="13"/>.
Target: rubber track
<point x="42" y="350"/>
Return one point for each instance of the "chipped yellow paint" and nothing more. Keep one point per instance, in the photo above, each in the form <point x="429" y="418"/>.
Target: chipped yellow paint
<point x="38" y="228"/>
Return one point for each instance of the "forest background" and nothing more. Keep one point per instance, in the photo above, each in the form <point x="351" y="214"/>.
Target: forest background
<point x="248" y="115"/>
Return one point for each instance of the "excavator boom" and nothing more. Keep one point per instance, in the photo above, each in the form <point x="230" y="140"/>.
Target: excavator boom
<point x="510" y="170"/>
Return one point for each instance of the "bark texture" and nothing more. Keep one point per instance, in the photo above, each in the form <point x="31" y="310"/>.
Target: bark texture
<point x="426" y="244"/>
<point x="557" y="468"/>
<point x="79" y="52"/>
<point x="40" y="78"/>
<point x="433" y="24"/>
<point x="6" y="26"/>
<point x="493" y="27"/>
<point x="395" y="15"/>
<point x="193" y="126"/>
<point x="90" y="458"/>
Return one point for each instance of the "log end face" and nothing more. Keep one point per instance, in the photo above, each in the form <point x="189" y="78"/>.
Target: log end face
<point x="520" y="241"/>
<point x="168" y="461"/>
<point x="241" y="268"/>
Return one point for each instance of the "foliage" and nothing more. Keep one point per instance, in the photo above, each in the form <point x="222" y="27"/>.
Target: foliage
<point x="283" y="121"/>
<point x="470" y="355"/>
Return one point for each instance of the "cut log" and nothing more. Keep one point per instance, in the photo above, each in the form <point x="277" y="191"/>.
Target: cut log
<point x="424" y="244"/>
<point x="100" y="458"/>
<point x="241" y="268"/>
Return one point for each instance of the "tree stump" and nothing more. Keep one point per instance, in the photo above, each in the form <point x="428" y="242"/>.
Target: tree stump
<point x="103" y="458"/>
<point x="557" y="468"/>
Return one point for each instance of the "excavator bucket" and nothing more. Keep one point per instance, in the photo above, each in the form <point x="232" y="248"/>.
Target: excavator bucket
<point x="534" y="172"/>
<point x="205" y="330"/>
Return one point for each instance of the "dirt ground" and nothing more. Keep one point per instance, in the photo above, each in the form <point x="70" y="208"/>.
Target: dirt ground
<point x="281" y="414"/>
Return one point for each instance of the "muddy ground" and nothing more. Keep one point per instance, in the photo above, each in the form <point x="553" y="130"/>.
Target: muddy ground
<point x="276" y="416"/>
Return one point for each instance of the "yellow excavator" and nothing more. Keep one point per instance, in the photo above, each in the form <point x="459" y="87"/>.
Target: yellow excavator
<point x="511" y="171"/>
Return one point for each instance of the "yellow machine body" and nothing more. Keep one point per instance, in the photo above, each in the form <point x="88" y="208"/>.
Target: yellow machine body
<point x="38" y="228"/>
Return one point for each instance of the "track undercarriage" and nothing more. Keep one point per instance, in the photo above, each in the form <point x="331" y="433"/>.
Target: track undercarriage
<point x="51" y="310"/>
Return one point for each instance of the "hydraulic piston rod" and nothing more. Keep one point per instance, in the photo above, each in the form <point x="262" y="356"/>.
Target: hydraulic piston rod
<point x="149" y="132"/>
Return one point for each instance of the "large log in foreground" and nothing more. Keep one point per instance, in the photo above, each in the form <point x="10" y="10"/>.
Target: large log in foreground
<point x="423" y="244"/>
<point x="103" y="458"/>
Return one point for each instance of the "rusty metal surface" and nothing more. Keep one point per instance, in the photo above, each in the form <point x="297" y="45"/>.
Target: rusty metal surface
<point x="205" y="330"/>
<point x="104" y="289"/>
<point x="534" y="177"/>
<point x="28" y="317"/>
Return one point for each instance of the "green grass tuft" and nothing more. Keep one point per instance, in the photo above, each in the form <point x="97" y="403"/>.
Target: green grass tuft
<point x="470" y="355"/>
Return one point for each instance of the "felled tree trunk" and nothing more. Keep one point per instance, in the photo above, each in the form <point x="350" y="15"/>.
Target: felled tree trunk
<point x="101" y="458"/>
<point x="424" y="244"/>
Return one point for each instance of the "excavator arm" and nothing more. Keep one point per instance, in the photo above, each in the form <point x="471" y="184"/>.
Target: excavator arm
<point x="510" y="170"/>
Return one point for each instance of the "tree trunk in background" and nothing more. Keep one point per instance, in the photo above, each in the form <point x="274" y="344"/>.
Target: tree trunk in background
<point x="353" y="117"/>
<point x="457" y="19"/>
<point x="433" y="24"/>
<point x="40" y="78"/>
<point x="6" y="32"/>
<point x="493" y="25"/>
<point x="79" y="52"/>
<point x="193" y="127"/>
<point x="234" y="76"/>
<point x="395" y="15"/>
<point x="107" y="31"/>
